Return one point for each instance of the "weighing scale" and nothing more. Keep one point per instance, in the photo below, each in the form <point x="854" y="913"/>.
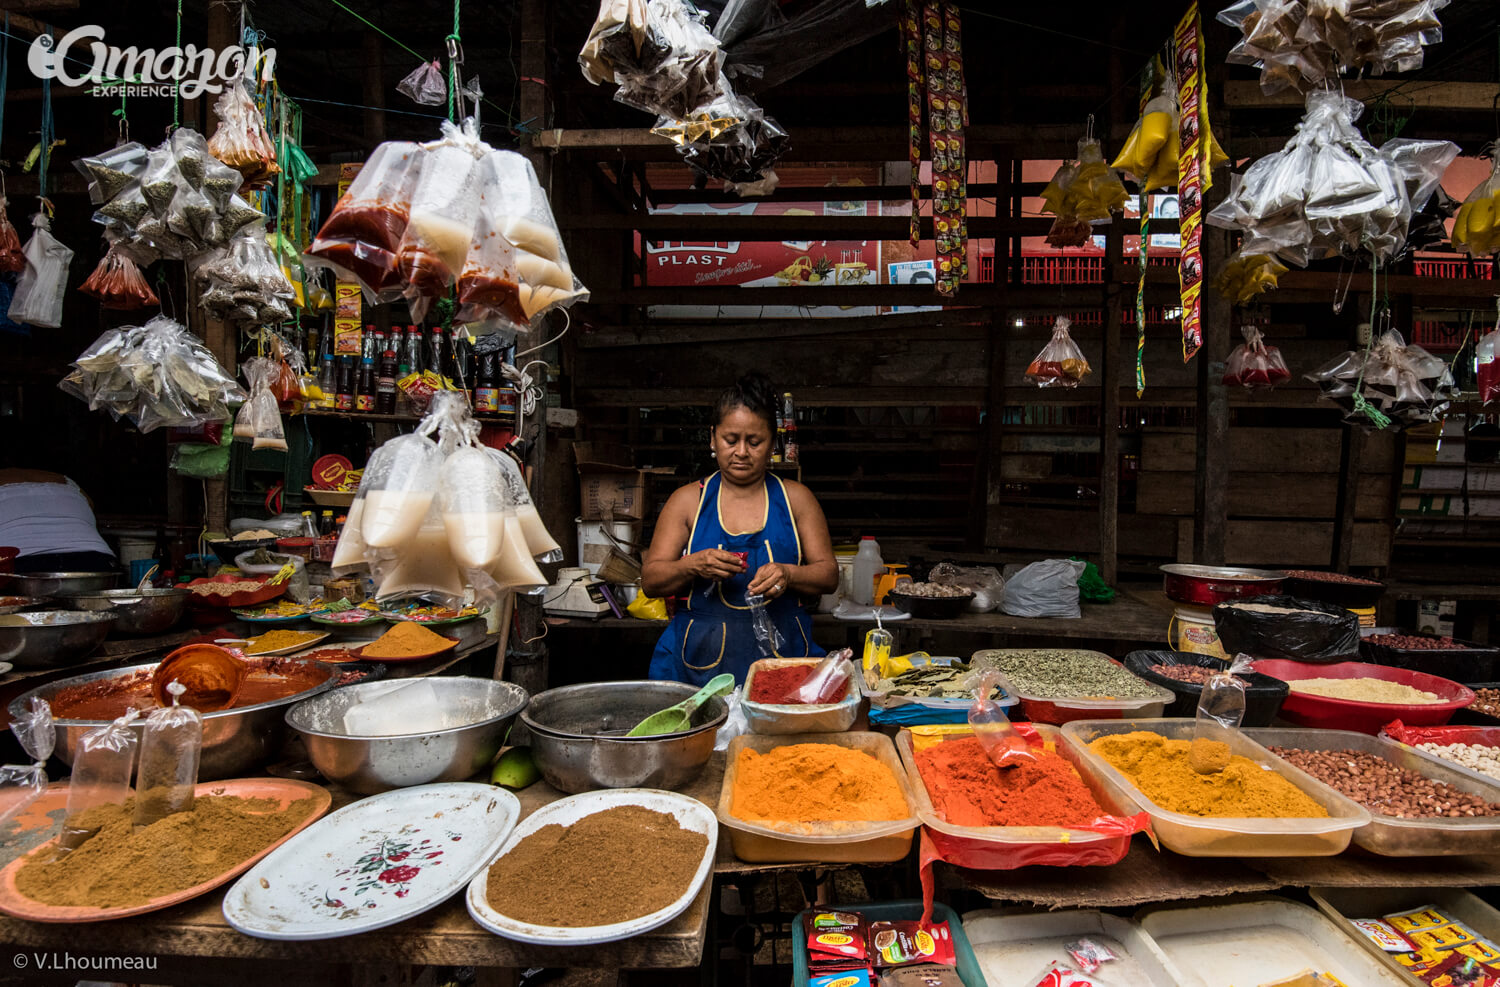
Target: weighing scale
<point x="576" y="593"/>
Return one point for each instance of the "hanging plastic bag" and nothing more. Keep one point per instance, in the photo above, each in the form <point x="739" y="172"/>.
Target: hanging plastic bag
<point x="424" y="565"/>
<point x="441" y="225"/>
<point x="539" y="542"/>
<point x="171" y="745"/>
<point x="1254" y="365"/>
<point x="473" y="497"/>
<point x="1391" y="384"/>
<point x="1060" y="363"/>
<point x="242" y="283"/>
<point x="118" y="283"/>
<point x="992" y="728"/>
<point x="399" y="484"/>
<point x="660" y="54"/>
<point x="1247" y="274"/>
<point x="1221" y="710"/>
<point x="12" y="259"/>
<point x="1044" y="589"/>
<point x="101" y="774"/>
<point x="359" y="239"/>
<point x="38" y="298"/>
<point x="1476" y="230"/>
<point x="1486" y="366"/>
<point x="425" y="85"/>
<point x="23" y="784"/>
<point x="241" y="141"/>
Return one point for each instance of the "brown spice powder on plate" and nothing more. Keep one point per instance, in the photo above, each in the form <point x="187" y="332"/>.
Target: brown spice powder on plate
<point x="613" y="866"/>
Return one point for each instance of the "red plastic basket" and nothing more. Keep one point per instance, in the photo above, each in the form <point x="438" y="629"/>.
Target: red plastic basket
<point x="244" y="599"/>
<point x="1348" y="714"/>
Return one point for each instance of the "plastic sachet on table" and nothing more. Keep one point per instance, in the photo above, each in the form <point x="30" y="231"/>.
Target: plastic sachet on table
<point x="1060" y="363"/>
<point x="12" y="257"/>
<point x="767" y="638"/>
<point x="241" y="141"/>
<point x="983" y="581"/>
<point x="1476" y="230"/>
<point x="1300" y="43"/>
<point x="670" y="67"/>
<point x="38" y="296"/>
<point x="23" y="784"/>
<point x="1390" y="384"/>
<point x="242" y="283"/>
<point x="440" y="227"/>
<point x="171" y="746"/>
<point x="425" y="85"/>
<point x="359" y="239"/>
<point x="1221" y="709"/>
<point x="100" y="779"/>
<point x="1253" y="364"/>
<point x="118" y="283"/>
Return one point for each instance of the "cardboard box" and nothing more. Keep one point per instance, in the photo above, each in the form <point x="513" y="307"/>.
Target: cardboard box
<point x="610" y="487"/>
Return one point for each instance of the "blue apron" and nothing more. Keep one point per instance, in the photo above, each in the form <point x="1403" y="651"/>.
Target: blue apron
<point x="712" y="632"/>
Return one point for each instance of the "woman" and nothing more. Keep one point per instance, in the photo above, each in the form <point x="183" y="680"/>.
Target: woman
<point x="51" y="521"/>
<point x="741" y="532"/>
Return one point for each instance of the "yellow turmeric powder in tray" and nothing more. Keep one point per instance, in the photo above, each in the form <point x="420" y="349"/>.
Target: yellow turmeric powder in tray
<point x="811" y="783"/>
<point x="1161" y="769"/>
<point x="406" y="640"/>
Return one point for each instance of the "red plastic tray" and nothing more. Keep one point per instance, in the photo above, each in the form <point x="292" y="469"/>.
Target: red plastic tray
<point x="1348" y="714"/>
<point x="1477" y="736"/>
<point x="245" y="599"/>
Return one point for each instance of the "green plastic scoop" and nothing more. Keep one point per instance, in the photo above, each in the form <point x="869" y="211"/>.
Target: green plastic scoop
<point x="676" y="719"/>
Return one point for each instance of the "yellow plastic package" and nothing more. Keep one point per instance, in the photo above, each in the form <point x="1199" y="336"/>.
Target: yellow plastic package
<point x="1476" y="228"/>
<point x="1150" y="152"/>
<point x="645" y="607"/>
<point x="1246" y="275"/>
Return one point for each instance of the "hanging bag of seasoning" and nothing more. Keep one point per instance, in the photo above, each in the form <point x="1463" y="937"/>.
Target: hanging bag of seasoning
<point x="117" y="282"/>
<point x="171" y="745"/>
<point x="358" y="241"/>
<point x="1255" y="365"/>
<point x="100" y="778"/>
<point x="1061" y="362"/>
<point x="1221" y="709"/>
<point x="23" y="784"/>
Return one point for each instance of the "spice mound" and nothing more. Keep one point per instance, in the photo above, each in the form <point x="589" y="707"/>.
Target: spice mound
<point x="815" y="783"/>
<point x="227" y="588"/>
<point x="1067" y="675"/>
<point x="780" y="685"/>
<point x="1163" y="772"/>
<point x="1386" y="788"/>
<point x="968" y="790"/>
<point x="1365" y="690"/>
<point x="613" y="866"/>
<point x="278" y="640"/>
<point x="121" y="866"/>
<point x="406" y="640"/>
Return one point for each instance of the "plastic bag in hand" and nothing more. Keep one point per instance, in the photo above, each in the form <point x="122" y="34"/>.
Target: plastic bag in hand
<point x="118" y="283"/>
<point x="1060" y="363"/>
<point x="1476" y="230"/>
<point x="1253" y="364"/>
<point x="38" y="298"/>
<point x="425" y="85"/>
<point x="767" y="638"/>
<point x="359" y="239"/>
<point x="241" y="141"/>
<point x="23" y="784"/>
<point x="102" y="767"/>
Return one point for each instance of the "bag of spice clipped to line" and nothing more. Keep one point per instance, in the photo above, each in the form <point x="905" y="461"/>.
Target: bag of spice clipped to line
<point x="100" y="782"/>
<point x="1061" y="362"/>
<point x="23" y="784"/>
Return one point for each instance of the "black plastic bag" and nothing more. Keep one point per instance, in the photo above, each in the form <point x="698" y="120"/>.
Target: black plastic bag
<point x="1263" y="694"/>
<point x="1293" y="628"/>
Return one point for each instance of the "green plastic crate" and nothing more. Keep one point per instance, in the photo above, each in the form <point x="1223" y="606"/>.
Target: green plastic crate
<point x="893" y="911"/>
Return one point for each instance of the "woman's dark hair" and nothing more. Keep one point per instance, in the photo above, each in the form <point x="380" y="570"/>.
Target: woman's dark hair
<point x="753" y="392"/>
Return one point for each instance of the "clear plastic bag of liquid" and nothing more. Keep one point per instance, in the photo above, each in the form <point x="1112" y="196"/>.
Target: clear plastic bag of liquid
<point x="171" y="746"/>
<point x="534" y="534"/>
<point x="399" y="484"/>
<point x="424" y="85"/>
<point x="359" y="239"/>
<point x="522" y="215"/>
<point x="101" y="778"/>
<point x="424" y="566"/>
<point x="475" y="503"/>
<point x="23" y="784"/>
<point x="241" y="141"/>
<point x="1221" y="709"/>
<point x="440" y="227"/>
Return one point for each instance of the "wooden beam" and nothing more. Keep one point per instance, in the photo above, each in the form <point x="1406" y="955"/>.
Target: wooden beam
<point x="688" y="332"/>
<point x="1245" y="94"/>
<point x="1041" y="299"/>
<point x="1109" y="415"/>
<point x="1211" y="483"/>
<point x="697" y="227"/>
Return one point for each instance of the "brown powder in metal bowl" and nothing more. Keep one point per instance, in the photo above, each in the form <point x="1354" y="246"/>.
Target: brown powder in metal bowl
<point x="613" y="866"/>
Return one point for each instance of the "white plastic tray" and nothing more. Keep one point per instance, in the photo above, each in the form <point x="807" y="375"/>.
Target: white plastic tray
<point x="689" y="813"/>
<point x="1014" y="946"/>
<point x="1253" y="942"/>
<point x="781" y="718"/>
<point x="326" y="881"/>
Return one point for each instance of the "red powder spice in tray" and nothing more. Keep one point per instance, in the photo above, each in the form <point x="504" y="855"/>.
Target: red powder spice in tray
<point x="968" y="790"/>
<point x="779" y="685"/>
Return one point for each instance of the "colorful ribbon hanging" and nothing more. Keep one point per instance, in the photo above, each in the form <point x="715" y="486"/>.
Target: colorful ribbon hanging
<point x="911" y="38"/>
<point x="936" y="89"/>
<point x="1193" y="176"/>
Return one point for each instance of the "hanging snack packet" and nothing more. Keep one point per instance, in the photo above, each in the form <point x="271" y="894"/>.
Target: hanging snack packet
<point x="117" y="282"/>
<point x="1221" y="709"/>
<point x="359" y="239"/>
<point x="1061" y="362"/>
<point x="38" y="296"/>
<point x="1253" y="364"/>
<point x="424" y="85"/>
<point x="23" y="784"/>
<point x="100" y="778"/>
<point x="171" y="745"/>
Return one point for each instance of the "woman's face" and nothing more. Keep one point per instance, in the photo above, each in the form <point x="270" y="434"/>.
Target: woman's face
<point x="742" y="445"/>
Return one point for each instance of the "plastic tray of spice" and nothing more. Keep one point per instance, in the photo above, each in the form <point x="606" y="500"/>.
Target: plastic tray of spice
<point x="1389" y="835"/>
<point x="1228" y="836"/>
<point x="1463" y="662"/>
<point x="1409" y="737"/>
<point x="831" y="841"/>
<point x="946" y="704"/>
<point x="1041" y="704"/>
<point x="1066" y="846"/>
<point x="781" y="718"/>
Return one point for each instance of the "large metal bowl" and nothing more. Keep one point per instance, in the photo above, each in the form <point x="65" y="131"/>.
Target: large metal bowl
<point x="235" y="741"/>
<point x="57" y="583"/>
<point x="51" y="638"/>
<point x="17" y="604"/>
<point x="578" y="736"/>
<point x="369" y="765"/>
<point x="137" y="611"/>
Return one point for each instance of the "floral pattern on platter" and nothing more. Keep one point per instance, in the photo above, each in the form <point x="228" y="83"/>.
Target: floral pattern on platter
<point x="387" y="867"/>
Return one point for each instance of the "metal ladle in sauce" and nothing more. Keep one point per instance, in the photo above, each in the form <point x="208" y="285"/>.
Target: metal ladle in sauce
<point x="211" y="676"/>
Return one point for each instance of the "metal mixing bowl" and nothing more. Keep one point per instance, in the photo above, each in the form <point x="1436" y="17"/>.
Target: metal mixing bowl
<point x="56" y="583"/>
<point x="368" y="765"/>
<point x="51" y="638"/>
<point x="235" y="741"/>
<point x="578" y="736"/>
<point x="137" y="611"/>
<point x="16" y="604"/>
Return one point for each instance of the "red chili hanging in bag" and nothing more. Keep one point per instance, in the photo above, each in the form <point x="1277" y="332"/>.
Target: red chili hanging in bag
<point x="11" y="257"/>
<point x="117" y="282"/>
<point x="1255" y="365"/>
<point x="1061" y="362"/>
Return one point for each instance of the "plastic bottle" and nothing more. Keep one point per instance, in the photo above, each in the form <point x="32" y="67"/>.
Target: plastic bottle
<point x="309" y="529"/>
<point x="364" y="398"/>
<point x="867" y="565"/>
<point x="385" y="383"/>
<point x="325" y="524"/>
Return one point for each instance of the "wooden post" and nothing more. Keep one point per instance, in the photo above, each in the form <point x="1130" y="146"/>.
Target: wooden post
<point x="1350" y="454"/>
<point x="533" y="83"/>
<point x="1211" y="484"/>
<point x="1109" y="407"/>
<point x="994" y="427"/>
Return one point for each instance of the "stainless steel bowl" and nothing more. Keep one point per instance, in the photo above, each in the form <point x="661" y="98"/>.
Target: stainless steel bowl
<point x="235" y="741"/>
<point x="578" y="736"/>
<point x="368" y="765"/>
<point x="55" y="583"/>
<point x="17" y="604"/>
<point x="51" y="638"/>
<point x="148" y="611"/>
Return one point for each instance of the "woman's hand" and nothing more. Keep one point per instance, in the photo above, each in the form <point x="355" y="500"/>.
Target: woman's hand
<point x="771" y="580"/>
<point x="713" y="563"/>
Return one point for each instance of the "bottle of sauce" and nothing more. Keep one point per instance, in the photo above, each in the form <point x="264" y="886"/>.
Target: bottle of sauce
<point x="486" y="385"/>
<point x="365" y="397"/>
<point x="463" y="364"/>
<point x="344" y="386"/>
<point x="385" y="383"/>
<point x="414" y="350"/>
<point x="309" y="530"/>
<point x="439" y="362"/>
<point x="325" y="524"/>
<point x="507" y="404"/>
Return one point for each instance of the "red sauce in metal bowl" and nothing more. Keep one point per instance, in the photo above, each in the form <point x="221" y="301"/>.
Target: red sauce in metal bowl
<point x="105" y="699"/>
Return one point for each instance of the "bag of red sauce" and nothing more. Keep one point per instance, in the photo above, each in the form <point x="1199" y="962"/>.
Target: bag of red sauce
<point x="902" y="943"/>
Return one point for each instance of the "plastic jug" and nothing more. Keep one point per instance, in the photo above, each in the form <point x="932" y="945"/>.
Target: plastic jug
<point x="867" y="565"/>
